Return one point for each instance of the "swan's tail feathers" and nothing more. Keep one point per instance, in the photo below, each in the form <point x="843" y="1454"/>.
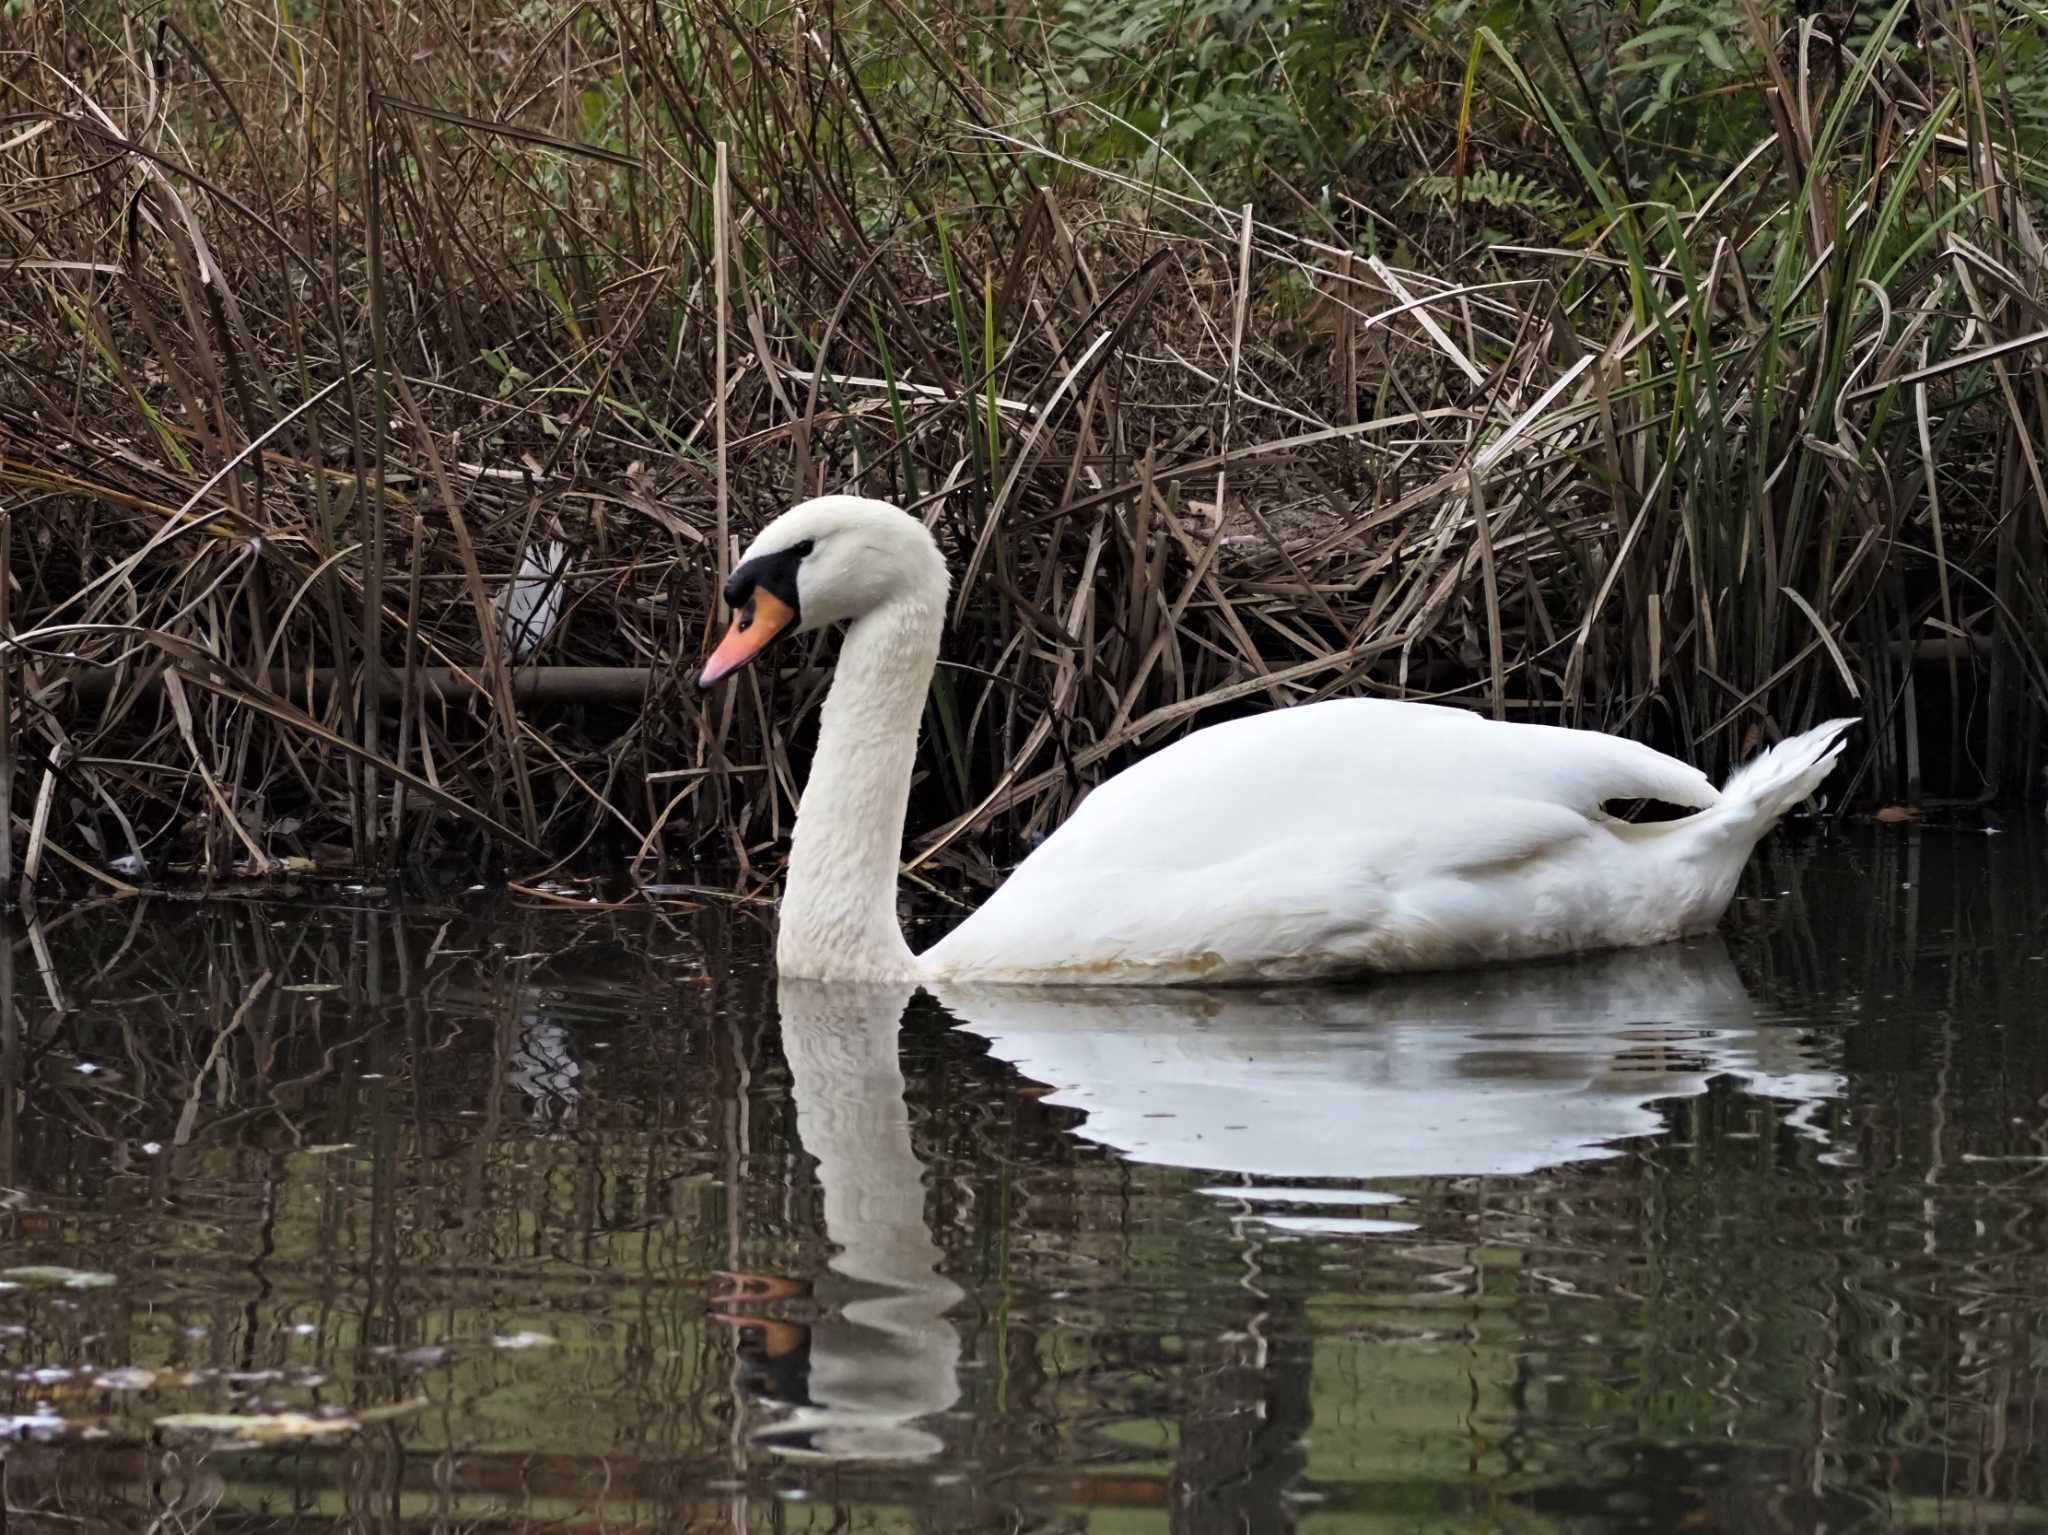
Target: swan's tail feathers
<point x="1761" y="791"/>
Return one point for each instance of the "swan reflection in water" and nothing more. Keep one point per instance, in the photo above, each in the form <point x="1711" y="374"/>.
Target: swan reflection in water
<point x="1498" y="1072"/>
<point x="1502" y="1072"/>
<point x="881" y="1353"/>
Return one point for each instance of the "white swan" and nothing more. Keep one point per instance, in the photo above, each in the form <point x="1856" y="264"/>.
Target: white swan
<point x="1336" y="838"/>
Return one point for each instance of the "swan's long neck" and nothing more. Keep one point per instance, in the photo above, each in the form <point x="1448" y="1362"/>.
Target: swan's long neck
<point x="838" y="919"/>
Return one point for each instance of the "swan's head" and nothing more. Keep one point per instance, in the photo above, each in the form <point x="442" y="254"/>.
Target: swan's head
<point x="827" y="561"/>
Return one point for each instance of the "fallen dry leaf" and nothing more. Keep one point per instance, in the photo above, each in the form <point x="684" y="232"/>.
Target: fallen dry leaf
<point x="273" y="1427"/>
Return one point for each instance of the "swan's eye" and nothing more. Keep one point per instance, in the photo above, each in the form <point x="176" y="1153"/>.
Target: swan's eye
<point x="774" y="574"/>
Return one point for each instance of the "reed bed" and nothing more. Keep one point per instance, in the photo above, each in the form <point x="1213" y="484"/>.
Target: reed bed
<point x="324" y="326"/>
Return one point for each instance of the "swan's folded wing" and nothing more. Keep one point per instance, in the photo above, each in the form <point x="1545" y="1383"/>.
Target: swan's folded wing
<point x="1585" y="769"/>
<point x="1352" y="767"/>
<point x="1323" y="897"/>
<point x="1392" y="746"/>
<point x="1337" y="759"/>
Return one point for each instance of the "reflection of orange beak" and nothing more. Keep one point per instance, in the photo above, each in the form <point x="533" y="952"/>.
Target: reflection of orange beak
<point x="753" y="626"/>
<point x="777" y="1337"/>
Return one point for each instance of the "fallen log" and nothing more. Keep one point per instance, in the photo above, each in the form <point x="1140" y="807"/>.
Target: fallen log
<point x="539" y="685"/>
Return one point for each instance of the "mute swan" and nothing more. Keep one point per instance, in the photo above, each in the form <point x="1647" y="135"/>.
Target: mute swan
<point x="1331" y="839"/>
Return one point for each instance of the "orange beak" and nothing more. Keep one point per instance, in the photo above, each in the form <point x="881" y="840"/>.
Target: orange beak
<point x="753" y="626"/>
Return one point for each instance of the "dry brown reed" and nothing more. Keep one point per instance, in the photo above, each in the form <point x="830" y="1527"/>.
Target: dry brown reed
<point x="318" y="319"/>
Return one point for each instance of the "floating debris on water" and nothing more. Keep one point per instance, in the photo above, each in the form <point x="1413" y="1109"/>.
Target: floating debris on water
<point x="43" y="1423"/>
<point x="426" y="1354"/>
<point x="47" y="1274"/>
<point x="235" y="1429"/>
<point x="522" y="1340"/>
<point x="127" y="1378"/>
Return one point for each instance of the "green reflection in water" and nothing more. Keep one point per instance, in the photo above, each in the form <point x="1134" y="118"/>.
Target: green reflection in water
<point x="1742" y="1237"/>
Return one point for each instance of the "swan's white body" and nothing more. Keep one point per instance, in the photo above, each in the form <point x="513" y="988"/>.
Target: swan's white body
<point x="1367" y="835"/>
<point x="1333" y="839"/>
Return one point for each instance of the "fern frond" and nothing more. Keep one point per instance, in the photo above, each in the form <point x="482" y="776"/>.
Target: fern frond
<point x="1495" y="189"/>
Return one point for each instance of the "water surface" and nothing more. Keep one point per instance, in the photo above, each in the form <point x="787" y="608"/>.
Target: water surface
<point x="467" y="1215"/>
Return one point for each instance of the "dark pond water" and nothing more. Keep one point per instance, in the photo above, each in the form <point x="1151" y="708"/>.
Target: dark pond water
<point x="474" y="1216"/>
